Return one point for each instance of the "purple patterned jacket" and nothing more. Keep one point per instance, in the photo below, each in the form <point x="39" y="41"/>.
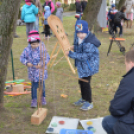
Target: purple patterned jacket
<point x="35" y="57"/>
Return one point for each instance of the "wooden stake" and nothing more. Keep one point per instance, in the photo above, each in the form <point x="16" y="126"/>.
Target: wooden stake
<point x="68" y="75"/>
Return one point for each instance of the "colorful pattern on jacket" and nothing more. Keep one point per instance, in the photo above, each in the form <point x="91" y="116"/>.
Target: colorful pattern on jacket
<point x="35" y="57"/>
<point x="86" y="56"/>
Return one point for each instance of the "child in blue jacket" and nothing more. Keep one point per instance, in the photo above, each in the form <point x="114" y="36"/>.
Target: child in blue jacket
<point x="86" y="56"/>
<point x="28" y="15"/>
<point x="46" y="15"/>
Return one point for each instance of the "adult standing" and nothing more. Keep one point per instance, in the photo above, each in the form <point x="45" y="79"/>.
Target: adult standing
<point x="50" y="4"/>
<point x="129" y="11"/>
<point x="37" y="3"/>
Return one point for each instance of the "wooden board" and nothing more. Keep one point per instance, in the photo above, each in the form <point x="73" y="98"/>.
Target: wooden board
<point x="58" y="29"/>
<point x="18" y="88"/>
<point x="118" y="39"/>
<point x="36" y="119"/>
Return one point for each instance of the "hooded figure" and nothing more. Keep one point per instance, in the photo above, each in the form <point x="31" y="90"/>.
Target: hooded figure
<point x="47" y="14"/>
<point x="28" y="13"/>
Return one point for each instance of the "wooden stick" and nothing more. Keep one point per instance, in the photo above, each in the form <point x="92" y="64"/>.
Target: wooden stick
<point x="55" y="57"/>
<point x="59" y="60"/>
<point x="68" y="75"/>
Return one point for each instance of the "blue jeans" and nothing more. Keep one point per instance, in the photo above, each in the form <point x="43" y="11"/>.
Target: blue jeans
<point x="108" y="123"/>
<point x="35" y="85"/>
<point x="36" y="24"/>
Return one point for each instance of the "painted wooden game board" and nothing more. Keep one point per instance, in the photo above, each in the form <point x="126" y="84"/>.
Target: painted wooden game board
<point x="58" y="29"/>
<point x="96" y="123"/>
<point x="66" y="123"/>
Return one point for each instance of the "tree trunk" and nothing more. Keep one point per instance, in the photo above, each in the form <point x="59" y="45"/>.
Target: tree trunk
<point x="91" y="12"/>
<point x="8" y="14"/>
<point x="121" y="3"/>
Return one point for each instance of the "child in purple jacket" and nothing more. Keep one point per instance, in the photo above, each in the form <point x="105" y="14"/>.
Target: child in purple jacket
<point x="32" y="57"/>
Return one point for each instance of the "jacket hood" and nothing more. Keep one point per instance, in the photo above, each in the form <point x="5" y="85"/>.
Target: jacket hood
<point x="47" y="8"/>
<point x="92" y="39"/>
<point x="27" y="6"/>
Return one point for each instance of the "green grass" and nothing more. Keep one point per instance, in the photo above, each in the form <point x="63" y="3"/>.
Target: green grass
<point x="15" y="119"/>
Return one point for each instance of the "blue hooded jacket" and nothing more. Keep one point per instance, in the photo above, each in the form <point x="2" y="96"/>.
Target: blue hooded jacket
<point x="47" y="14"/>
<point x="28" y="13"/>
<point x="86" y="55"/>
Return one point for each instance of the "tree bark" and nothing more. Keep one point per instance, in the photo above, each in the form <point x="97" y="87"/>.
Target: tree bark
<point x="8" y="14"/>
<point x="91" y="12"/>
<point x="121" y="3"/>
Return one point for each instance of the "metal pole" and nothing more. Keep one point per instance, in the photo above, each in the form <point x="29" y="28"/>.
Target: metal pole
<point x="12" y="65"/>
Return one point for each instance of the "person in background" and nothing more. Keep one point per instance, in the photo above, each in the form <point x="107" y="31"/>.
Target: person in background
<point x="28" y="15"/>
<point x="129" y="11"/>
<point x="78" y="9"/>
<point x="84" y="4"/>
<point x="111" y="14"/>
<point x="59" y="12"/>
<point x="47" y="27"/>
<point x="121" y="118"/>
<point x="37" y="3"/>
<point x="118" y="18"/>
<point x="50" y="4"/>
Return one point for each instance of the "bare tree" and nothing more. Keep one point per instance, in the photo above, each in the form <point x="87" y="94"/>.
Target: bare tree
<point x="91" y="12"/>
<point x="8" y="14"/>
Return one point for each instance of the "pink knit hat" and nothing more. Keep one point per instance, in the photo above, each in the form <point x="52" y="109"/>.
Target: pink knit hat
<point x="58" y="3"/>
<point x="33" y="36"/>
<point x="27" y="0"/>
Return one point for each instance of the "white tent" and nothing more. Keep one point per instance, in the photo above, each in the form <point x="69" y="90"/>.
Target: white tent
<point x="102" y="18"/>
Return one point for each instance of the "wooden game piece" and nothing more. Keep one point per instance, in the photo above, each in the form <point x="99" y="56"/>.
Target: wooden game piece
<point x="18" y="88"/>
<point x="61" y="122"/>
<point x="93" y="130"/>
<point x="54" y="124"/>
<point x="64" y="96"/>
<point x="89" y="128"/>
<point x="37" y="118"/>
<point x="89" y="123"/>
<point x="50" y="129"/>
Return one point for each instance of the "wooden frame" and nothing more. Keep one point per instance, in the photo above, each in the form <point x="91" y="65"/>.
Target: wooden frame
<point x="57" y="28"/>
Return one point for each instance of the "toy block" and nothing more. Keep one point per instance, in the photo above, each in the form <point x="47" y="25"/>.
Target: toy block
<point x="18" y="88"/>
<point x="38" y="117"/>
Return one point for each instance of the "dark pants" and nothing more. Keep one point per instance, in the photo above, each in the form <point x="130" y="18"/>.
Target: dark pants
<point x="118" y="25"/>
<point x="86" y="92"/>
<point x="111" y="27"/>
<point x="47" y="30"/>
<point x="35" y="85"/>
<point x="108" y="124"/>
<point x="112" y="125"/>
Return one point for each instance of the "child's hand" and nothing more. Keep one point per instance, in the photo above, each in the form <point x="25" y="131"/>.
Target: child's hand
<point x="72" y="47"/>
<point x="39" y="66"/>
<point x="67" y="53"/>
<point x="29" y="64"/>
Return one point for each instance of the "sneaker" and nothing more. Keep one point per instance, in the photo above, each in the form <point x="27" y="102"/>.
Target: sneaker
<point x="79" y="102"/>
<point x="87" y="106"/>
<point x="120" y="35"/>
<point x="34" y="103"/>
<point x="43" y="101"/>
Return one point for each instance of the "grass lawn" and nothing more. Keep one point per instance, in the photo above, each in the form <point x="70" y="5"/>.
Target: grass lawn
<point x="15" y="119"/>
